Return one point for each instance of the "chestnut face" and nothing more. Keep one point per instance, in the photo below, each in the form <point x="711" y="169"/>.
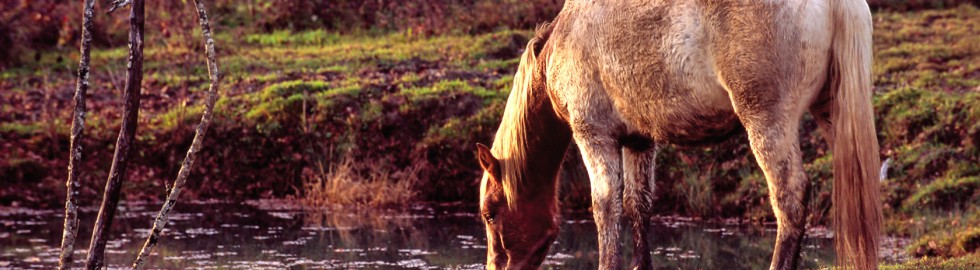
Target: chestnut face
<point x="518" y="237"/>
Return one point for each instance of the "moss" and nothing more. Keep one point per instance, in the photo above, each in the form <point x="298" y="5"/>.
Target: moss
<point x="289" y="102"/>
<point x="332" y="68"/>
<point x="286" y="37"/>
<point x="21" y="129"/>
<point x="177" y="78"/>
<point x="969" y="241"/>
<point x="483" y="122"/>
<point x="945" y="234"/>
<point x="409" y="80"/>
<point x="946" y="193"/>
<point x="932" y="49"/>
<point x="327" y="99"/>
<point x="450" y="87"/>
<point x="949" y="245"/>
<point x="267" y="77"/>
<point x="437" y="89"/>
<point x="494" y="65"/>
<point x="922" y="160"/>
<point x="179" y="116"/>
<point x="290" y="88"/>
<point x="504" y="83"/>
<point x="937" y="263"/>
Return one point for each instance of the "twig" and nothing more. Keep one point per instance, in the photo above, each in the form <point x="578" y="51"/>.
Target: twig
<point x="118" y="4"/>
<point x="202" y="128"/>
<point x="77" y="134"/>
<point x="127" y="133"/>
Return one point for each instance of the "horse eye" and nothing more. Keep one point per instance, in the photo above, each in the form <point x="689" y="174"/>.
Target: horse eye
<point x="489" y="217"/>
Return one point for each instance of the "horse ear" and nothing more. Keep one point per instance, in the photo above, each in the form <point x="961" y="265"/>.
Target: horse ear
<point x="487" y="161"/>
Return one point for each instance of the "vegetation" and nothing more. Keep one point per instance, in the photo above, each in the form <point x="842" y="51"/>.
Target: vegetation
<point x="343" y="184"/>
<point x="405" y="106"/>
<point x="934" y="263"/>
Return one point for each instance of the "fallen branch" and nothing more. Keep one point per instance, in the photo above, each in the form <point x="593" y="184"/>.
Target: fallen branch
<point x="202" y="129"/>
<point x="127" y="133"/>
<point x="77" y="134"/>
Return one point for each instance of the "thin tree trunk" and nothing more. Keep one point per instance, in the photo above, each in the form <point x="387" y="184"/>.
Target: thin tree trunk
<point x="77" y="134"/>
<point x="127" y="132"/>
<point x="202" y="129"/>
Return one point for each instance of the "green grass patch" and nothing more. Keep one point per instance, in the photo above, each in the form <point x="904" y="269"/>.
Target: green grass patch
<point x="947" y="244"/>
<point x="287" y="37"/>
<point x="937" y="263"/>
<point x="21" y="129"/>
<point x="449" y="87"/>
<point x="483" y="122"/>
<point x="946" y="193"/>
<point x="180" y="116"/>
<point x="936" y="49"/>
<point x="285" y="89"/>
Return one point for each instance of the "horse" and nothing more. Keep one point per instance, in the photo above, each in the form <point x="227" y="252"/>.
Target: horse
<point x="620" y="77"/>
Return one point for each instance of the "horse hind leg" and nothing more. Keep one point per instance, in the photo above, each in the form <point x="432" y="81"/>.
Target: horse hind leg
<point x="770" y="105"/>
<point x="638" y="194"/>
<point x="772" y="118"/>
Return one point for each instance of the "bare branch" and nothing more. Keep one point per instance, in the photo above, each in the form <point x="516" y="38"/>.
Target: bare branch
<point x="161" y="220"/>
<point x="77" y="134"/>
<point x="118" y="4"/>
<point x="127" y="133"/>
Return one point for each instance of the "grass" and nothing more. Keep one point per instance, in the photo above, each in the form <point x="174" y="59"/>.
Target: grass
<point x="21" y="129"/>
<point x="946" y="194"/>
<point x="934" y="263"/>
<point x="287" y="38"/>
<point x="943" y="234"/>
<point x="362" y="184"/>
<point x="935" y="49"/>
<point x="178" y="117"/>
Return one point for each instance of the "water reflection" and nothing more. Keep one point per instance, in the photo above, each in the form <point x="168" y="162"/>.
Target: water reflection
<point x="276" y="235"/>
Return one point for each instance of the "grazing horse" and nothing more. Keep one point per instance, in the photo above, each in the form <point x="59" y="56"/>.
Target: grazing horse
<point x="620" y="77"/>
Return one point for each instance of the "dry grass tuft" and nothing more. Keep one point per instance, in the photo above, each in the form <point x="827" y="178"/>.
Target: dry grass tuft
<point x="359" y="185"/>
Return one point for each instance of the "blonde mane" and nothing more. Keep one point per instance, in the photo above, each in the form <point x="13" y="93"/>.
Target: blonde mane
<point x="510" y="142"/>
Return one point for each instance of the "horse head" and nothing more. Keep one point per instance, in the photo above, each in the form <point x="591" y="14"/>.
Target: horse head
<point x="519" y="231"/>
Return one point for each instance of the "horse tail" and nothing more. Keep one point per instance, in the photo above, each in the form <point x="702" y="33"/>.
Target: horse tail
<point x="857" y="214"/>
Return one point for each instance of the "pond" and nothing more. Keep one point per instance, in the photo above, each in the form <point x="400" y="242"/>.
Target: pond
<point x="277" y="235"/>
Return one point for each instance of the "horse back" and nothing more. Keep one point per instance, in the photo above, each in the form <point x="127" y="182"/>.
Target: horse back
<point x="671" y="70"/>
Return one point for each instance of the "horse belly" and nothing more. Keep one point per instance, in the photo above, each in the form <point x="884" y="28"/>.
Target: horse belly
<point x="667" y="89"/>
<point x="697" y="129"/>
<point x="694" y="111"/>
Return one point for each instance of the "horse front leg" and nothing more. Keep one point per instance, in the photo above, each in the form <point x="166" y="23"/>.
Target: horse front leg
<point x="638" y="195"/>
<point x="603" y="159"/>
<point x="777" y="150"/>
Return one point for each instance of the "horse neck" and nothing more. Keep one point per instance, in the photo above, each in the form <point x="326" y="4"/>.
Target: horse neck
<point x="548" y="137"/>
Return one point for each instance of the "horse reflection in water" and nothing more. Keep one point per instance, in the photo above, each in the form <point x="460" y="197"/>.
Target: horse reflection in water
<point x="620" y="77"/>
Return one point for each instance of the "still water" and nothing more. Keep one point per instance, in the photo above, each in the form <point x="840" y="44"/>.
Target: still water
<point x="278" y="235"/>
